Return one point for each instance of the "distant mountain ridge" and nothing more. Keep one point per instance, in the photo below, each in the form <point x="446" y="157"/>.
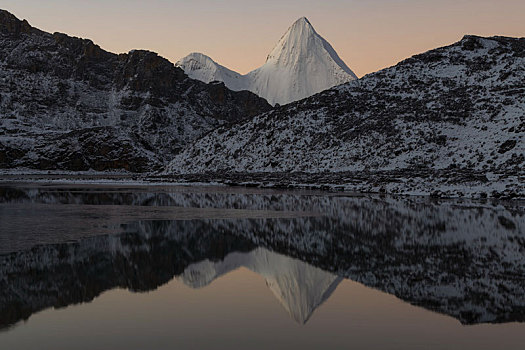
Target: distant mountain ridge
<point x="300" y="65"/>
<point x="67" y="104"/>
<point x="204" y="68"/>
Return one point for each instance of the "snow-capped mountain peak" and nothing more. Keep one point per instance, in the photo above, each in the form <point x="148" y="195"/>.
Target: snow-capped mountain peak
<point x="202" y="67"/>
<point x="300" y="65"/>
<point x="294" y="42"/>
<point x="298" y="44"/>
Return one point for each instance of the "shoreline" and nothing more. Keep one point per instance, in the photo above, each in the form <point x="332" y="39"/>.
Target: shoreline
<point x="456" y="183"/>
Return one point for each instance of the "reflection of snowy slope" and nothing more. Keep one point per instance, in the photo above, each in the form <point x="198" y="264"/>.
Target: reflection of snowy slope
<point x="462" y="258"/>
<point x="298" y="286"/>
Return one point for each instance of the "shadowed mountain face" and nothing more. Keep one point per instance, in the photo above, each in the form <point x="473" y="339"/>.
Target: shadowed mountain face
<point x="67" y="104"/>
<point x="460" y="258"/>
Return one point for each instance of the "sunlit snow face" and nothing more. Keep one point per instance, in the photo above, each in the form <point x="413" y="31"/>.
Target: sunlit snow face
<point x="300" y="65"/>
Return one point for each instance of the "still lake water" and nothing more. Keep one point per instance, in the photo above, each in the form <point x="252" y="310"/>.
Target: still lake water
<point x="151" y="267"/>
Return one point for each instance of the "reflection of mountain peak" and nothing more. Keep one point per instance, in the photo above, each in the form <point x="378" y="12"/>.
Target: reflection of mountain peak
<point x="302" y="288"/>
<point x="298" y="286"/>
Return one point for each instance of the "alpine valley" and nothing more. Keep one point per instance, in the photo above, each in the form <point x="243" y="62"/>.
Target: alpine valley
<point x="448" y="122"/>
<point x="155" y="204"/>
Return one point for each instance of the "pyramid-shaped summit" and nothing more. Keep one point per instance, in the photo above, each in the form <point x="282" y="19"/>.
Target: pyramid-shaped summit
<point x="300" y="65"/>
<point x="299" y="45"/>
<point x="296" y="42"/>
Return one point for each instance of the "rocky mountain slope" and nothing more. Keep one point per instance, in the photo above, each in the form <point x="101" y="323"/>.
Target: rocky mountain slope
<point x="456" y="107"/>
<point x="67" y="104"/>
<point x="300" y="65"/>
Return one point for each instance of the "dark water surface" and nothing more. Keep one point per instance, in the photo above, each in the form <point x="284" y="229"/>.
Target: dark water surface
<point x="145" y="267"/>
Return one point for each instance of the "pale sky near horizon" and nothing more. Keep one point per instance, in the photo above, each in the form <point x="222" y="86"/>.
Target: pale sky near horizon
<point x="368" y="35"/>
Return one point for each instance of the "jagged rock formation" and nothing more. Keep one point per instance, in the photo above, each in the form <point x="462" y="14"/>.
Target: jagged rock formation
<point x="456" y="107"/>
<point x="460" y="258"/>
<point x="300" y="65"/>
<point x="67" y="104"/>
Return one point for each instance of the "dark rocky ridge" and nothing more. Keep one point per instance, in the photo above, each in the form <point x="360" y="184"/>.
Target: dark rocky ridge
<point x="56" y="87"/>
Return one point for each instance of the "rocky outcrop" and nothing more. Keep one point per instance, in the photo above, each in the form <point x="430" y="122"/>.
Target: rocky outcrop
<point x="54" y="86"/>
<point x="11" y="25"/>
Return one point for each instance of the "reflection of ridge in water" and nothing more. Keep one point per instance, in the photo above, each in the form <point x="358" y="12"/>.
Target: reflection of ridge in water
<point x="460" y="258"/>
<point x="299" y="287"/>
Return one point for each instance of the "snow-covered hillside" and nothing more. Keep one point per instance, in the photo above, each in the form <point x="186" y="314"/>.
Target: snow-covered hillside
<point x="67" y="104"/>
<point x="456" y="107"/>
<point x="301" y="65"/>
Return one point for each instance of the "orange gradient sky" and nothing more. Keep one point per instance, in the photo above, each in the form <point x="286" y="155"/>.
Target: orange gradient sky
<point x="368" y="35"/>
